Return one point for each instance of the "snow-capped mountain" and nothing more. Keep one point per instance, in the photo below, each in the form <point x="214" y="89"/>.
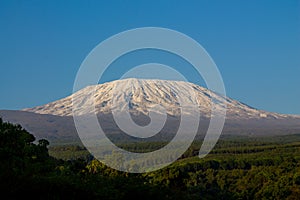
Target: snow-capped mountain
<point x="54" y="121"/>
<point x="142" y="94"/>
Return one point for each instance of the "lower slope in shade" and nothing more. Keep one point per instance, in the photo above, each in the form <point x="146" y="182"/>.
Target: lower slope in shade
<point x="61" y="129"/>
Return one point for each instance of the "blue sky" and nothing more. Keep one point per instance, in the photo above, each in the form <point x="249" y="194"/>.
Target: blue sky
<point x="255" y="44"/>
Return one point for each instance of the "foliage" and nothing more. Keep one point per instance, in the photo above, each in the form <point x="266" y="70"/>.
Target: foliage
<point x="238" y="168"/>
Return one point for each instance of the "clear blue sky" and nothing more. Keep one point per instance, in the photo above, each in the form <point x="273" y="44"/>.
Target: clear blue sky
<point x="255" y="44"/>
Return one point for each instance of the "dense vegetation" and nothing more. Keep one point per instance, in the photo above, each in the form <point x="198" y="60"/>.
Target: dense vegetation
<point x="238" y="168"/>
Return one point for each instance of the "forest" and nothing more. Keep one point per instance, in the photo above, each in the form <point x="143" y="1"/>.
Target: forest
<point x="238" y="168"/>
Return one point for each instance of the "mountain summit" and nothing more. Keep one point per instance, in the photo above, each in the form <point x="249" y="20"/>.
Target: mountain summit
<point x="142" y="94"/>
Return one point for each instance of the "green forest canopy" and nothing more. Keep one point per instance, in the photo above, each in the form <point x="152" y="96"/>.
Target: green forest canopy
<point x="236" y="169"/>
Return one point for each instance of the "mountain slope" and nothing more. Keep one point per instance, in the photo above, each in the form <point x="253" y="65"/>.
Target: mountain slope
<point x="54" y="121"/>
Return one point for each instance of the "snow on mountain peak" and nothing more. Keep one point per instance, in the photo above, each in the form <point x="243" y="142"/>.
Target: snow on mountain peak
<point x="142" y="94"/>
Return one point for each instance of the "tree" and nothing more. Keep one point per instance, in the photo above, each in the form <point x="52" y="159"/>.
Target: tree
<point x="17" y="150"/>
